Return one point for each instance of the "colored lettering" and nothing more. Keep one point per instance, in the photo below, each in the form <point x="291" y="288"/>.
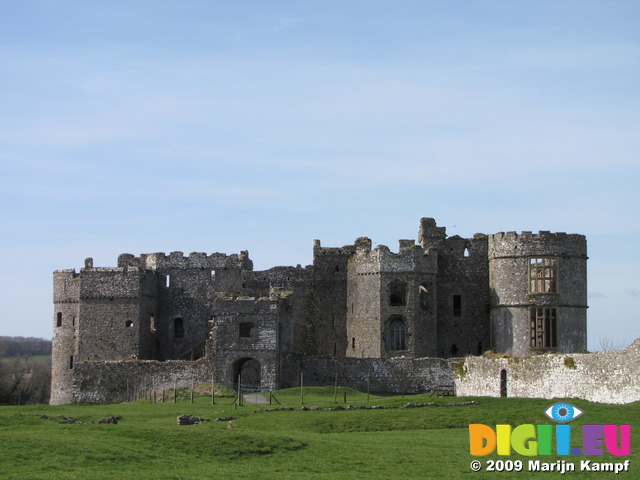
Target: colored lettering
<point x="503" y="437"/>
<point x="563" y="439"/>
<point x="610" y="440"/>
<point x="544" y="439"/>
<point x="530" y="440"/>
<point x="592" y="439"/>
<point x="523" y="440"/>
<point x="482" y="439"/>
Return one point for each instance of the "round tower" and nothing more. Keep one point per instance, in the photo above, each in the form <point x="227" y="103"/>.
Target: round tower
<point x="66" y="295"/>
<point x="538" y="292"/>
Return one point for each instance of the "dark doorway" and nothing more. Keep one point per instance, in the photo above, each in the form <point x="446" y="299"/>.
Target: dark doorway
<point x="248" y="369"/>
<point x="503" y="383"/>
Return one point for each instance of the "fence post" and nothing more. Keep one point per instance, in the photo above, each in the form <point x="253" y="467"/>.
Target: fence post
<point x="213" y="391"/>
<point x="192" y="388"/>
<point x="335" y="388"/>
<point x="239" y="391"/>
<point x="368" y="384"/>
<point x="302" y="388"/>
<point x="175" y="390"/>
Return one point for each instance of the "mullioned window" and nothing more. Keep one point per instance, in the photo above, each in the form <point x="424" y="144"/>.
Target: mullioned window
<point x="543" y="275"/>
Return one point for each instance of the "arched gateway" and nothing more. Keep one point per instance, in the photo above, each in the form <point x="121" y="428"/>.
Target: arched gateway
<point x="248" y="370"/>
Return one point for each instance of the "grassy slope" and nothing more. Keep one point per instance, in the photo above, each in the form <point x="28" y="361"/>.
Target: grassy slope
<point x="429" y="442"/>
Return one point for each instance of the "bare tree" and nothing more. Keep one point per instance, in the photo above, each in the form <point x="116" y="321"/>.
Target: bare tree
<point x="25" y="380"/>
<point x="607" y="344"/>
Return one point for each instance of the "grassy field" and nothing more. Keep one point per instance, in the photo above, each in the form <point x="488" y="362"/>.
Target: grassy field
<point x="403" y="443"/>
<point x="13" y="358"/>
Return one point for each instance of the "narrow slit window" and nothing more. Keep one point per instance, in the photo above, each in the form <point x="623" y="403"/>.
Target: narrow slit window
<point x="178" y="327"/>
<point x="457" y="305"/>
<point x="168" y="281"/>
<point x="71" y="362"/>
<point x="59" y="319"/>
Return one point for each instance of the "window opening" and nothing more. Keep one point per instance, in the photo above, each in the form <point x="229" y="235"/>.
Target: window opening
<point x="152" y="323"/>
<point x="466" y="252"/>
<point x="457" y="305"/>
<point x="353" y="342"/>
<point x="71" y="362"/>
<point x="168" y="281"/>
<point x="543" y="327"/>
<point x="59" y="319"/>
<point x="128" y="324"/>
<point x="178" y="327"/>
<point x="543" y="275"/>
<point x="424" y="297"/>
<point x="454" y="349"/>
<point x="503" y="383"/>
<point x="397" y="335"/>
<point x="246" y="329"/>
<point x="397" y="294"/>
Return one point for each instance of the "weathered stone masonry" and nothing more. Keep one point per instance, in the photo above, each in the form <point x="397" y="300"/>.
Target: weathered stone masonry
<point x="368" y="315"/>
<point x="606" y="377"/>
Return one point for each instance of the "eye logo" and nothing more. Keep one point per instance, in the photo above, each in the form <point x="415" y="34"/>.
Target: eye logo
<point x="563" y="412"/>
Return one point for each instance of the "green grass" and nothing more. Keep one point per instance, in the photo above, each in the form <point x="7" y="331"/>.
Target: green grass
<point x="13" y="358"/>
<point x="403" y="443"/>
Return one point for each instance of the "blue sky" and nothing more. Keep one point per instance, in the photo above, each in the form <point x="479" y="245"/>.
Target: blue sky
<point x="144" y="126"/>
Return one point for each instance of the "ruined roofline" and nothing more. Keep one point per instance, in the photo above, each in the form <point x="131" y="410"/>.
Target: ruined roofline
<point x="542" y="234"/>
<point x="318" y="249"/>
<point x="160" y="260"/>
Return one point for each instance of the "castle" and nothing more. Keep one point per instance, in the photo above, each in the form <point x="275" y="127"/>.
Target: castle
<point x="392" y="317"/>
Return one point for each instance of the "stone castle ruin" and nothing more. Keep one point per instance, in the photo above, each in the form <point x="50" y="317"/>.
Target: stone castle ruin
<point x="397" y="320"/>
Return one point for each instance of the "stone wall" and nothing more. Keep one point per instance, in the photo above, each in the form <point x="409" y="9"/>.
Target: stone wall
<point x="463" y="297"/>
<point x="606" y="377"/>
<point x="109" y="382"/>
<point x="389" y="375"/>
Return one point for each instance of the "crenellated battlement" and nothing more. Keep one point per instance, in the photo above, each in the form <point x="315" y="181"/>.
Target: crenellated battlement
<point x="409" y="257"/>
<point x="319" y="250"/>
<point x="543" y="243"/>
<point x="177" y="260"/>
